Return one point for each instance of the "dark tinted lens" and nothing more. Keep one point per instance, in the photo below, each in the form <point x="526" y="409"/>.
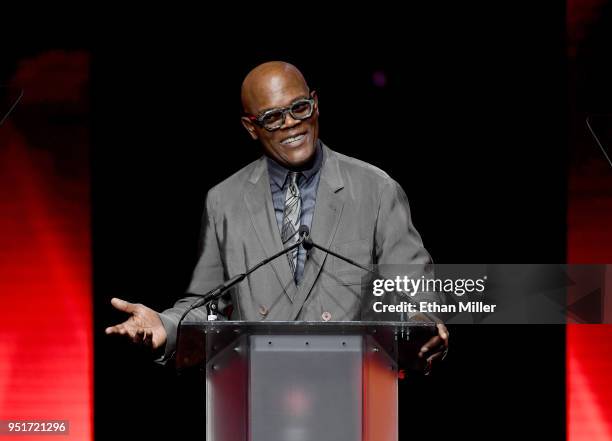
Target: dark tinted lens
<point x="301" y="109"/>
<point x="273" y="120"/>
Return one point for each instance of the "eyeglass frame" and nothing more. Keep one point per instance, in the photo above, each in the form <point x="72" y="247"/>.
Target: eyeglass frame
<point x="259" y="119"/>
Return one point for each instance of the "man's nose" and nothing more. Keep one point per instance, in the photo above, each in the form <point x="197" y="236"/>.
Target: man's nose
<point x="290" y="121"/>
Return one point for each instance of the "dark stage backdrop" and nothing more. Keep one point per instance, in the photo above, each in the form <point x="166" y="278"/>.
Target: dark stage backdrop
<point x="465" y="108"/>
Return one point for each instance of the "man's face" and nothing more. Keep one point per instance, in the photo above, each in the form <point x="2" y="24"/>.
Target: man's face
<point x="293" y="144"/>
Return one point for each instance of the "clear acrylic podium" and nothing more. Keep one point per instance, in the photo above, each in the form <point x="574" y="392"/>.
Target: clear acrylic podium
<point x="302" y="381"/>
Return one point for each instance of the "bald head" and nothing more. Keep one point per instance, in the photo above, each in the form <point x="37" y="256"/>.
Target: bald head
<point x="269" y="79"/>
<point x="279" y="85"/>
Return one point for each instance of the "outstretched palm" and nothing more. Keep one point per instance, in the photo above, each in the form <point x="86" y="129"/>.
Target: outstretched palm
<point x="144" y="325"/>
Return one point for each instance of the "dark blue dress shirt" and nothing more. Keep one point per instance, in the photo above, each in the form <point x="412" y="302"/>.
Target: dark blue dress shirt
<point x="308" y="182"/>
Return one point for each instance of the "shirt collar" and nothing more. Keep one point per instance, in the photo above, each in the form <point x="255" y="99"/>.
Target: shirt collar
<point x="278" y="173"/>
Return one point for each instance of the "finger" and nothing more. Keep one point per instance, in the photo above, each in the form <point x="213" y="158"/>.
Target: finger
<point x="443" y="332"/>
<point x="125" y="329"/>
<point x="122" y="328"/>
<point x="435" y="357"/>
<point x="148" y="339"/>
<point x="139" y="335"/>
<point x="432" y="343"/>
<point x="122" y="305"/>
<point x="114" y="329"/>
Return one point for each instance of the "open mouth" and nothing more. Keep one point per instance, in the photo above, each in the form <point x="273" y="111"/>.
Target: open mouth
<point x="294" y="140"/>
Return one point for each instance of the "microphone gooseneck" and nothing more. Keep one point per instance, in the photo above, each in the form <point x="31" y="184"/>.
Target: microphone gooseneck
<point x="216" y="293"/>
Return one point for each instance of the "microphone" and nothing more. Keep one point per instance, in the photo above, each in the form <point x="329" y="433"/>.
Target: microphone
<point x="304" y="233"/>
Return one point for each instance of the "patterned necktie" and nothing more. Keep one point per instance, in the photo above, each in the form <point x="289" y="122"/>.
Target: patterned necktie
<point x="291" y="219"/>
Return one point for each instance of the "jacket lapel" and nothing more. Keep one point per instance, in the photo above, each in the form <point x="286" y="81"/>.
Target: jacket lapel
<point x="328" y="209"/>
<point x="258" y="199"/>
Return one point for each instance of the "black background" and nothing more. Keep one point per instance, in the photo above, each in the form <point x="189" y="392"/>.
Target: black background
<point x="471" y="123"/>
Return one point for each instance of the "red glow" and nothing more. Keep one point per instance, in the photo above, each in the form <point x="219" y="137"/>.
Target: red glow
<point x="46" y="345"/>
<point x="589" y="384"/>
<point x="589" y="359"/>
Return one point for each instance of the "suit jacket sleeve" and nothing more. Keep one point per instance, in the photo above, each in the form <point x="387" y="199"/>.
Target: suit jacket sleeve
<point x="207" y="275"/>
<point x="397" y="240"/>
<point x="399" y="248"/>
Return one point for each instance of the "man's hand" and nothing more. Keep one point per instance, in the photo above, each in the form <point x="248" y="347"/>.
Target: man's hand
<point x="143" y="327"/>
<point x="436" y="347"/>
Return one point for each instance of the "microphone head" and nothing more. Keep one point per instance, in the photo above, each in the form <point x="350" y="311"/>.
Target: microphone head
<point x="304" y="231"/>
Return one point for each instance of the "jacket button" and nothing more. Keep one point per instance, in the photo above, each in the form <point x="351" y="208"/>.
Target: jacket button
<point x="326" y="316"/>
<point x="263" y="310"/>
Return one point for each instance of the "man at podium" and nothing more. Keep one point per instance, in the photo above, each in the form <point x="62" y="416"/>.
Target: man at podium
<point x="349" y="206"/>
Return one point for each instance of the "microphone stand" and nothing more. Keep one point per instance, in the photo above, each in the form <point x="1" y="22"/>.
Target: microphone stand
<point x="212" y="296"/>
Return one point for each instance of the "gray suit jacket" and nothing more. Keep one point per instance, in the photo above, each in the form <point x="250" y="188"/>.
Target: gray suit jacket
<point x="360" y="213"/>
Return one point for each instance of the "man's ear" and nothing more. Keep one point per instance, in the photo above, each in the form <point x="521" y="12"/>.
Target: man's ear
<point x="249" y="126"/>
<point x="316" y="101"/>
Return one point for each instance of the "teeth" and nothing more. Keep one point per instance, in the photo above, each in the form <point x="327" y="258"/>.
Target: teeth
<point x="292" y="139"/>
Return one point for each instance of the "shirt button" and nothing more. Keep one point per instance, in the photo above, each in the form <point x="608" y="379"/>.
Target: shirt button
<point x="326" y="316"/>
<point x="263" y="310"/>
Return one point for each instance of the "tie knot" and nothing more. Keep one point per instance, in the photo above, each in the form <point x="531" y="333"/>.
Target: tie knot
<point x="293" y="178"/>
